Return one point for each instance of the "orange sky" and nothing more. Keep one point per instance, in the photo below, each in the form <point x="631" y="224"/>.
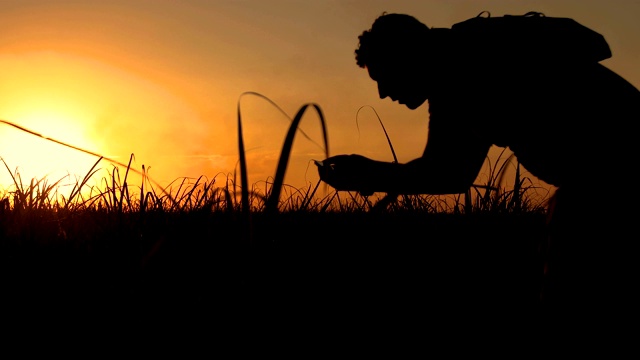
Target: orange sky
<point x="162" y="79"/>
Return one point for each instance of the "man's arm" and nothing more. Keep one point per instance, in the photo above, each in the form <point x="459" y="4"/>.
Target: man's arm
<point x="450" y="163"/>
<point x="456" y="148"/>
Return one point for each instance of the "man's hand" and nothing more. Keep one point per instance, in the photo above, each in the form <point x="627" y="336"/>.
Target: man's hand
<point x="348" y="172"/>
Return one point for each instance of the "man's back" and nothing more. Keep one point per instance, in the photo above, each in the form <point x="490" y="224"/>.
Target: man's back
<point x="558" y="121"/>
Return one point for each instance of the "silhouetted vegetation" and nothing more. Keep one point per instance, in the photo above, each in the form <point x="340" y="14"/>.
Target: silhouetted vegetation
<point x="214" y="246"/>
<point x="140" y="247"/>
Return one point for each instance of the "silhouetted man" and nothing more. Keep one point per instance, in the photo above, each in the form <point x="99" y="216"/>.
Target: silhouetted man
<point x="568" y="123"/>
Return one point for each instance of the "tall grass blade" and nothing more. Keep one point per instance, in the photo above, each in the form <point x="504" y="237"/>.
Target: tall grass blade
<point x="244" y="181"/>
<point x="309" y="197"/>
<point x="273" y="199"/>
<point x="393" y="152"/>
<point x="15" y="181"/>
<point x="390" y="198"/>
<point x="124" y="187"/>
<point x="78" y="187"/>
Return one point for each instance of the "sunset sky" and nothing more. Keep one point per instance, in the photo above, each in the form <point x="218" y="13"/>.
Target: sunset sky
<point x="162" y="80"/>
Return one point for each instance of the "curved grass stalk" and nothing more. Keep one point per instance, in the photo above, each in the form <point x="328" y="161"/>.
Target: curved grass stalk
<point x="309" y="196"/>
<point x="273" y="198"/>
<point x="77" y="187"/>
<point x="393" y="152"/>
<point x="125" y="188"/>
<point x="390" y="197"/>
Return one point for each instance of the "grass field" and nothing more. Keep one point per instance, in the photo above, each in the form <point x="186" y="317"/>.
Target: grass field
<point x="216" y="249"/>
<point x="324" y="256"/>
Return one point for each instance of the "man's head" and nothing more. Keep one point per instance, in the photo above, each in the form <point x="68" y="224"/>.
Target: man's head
<point x="393" y="53"/>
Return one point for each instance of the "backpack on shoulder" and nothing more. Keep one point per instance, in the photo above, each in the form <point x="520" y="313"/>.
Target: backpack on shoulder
<point x="532" y="37"/>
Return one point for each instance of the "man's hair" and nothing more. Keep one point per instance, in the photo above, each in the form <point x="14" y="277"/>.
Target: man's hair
<point x="390" y="34"/>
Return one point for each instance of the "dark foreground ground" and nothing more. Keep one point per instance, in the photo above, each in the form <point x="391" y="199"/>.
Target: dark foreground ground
<point x="306" y="268"/>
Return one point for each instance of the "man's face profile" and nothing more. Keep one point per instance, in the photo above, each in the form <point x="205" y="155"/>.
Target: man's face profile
<point x="397" y="83"/>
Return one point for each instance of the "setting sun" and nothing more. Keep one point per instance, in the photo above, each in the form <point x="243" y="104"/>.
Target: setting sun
<point x="34" y="157"/>
<point x="90" y="105"/>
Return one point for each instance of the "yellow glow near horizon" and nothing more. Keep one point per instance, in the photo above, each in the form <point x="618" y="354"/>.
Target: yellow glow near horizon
<point x="99" y="107"/>
<point x="44" y="93"/>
